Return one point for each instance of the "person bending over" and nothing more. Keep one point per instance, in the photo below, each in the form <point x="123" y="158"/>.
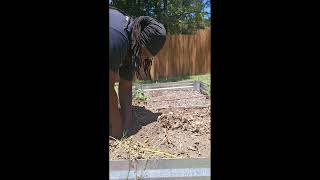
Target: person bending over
<point x="133" y="41"/>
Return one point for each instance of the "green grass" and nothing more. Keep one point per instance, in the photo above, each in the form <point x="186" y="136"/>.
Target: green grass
<point x="204" y="78"/>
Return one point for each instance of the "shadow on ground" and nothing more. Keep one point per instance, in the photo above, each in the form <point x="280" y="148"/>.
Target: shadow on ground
<point x="142" y="117"/>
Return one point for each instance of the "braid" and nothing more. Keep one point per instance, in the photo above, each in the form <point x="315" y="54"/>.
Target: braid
<point x="147" y="67"/>
<point x="135" y="40"/>
<point x="136" y="48"/>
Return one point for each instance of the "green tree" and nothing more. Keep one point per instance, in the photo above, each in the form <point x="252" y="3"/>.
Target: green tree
<point x="178" y="16"/>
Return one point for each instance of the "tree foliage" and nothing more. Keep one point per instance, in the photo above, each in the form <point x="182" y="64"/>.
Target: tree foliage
<point x="178" y="16"/>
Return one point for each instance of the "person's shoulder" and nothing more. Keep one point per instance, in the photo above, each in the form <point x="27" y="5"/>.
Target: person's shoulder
<point x="114" y="9"/>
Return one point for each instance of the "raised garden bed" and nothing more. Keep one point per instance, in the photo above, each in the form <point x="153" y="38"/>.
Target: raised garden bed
<point x="174" y="122"/>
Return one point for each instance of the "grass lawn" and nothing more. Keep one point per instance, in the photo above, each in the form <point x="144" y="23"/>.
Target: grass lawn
<point x="204" y="78"/>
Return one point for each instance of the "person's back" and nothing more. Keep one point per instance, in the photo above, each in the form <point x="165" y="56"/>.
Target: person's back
<point x="132" y="43"/>
<point x="119" y="45"/>
<point x="118" y="21"/>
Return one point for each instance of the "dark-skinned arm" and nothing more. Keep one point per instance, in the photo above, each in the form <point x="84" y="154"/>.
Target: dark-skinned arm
<point x="125" y="96"/>
<point x="114" y="113"/>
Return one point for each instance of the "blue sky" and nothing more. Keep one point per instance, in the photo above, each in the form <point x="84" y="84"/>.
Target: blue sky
<point x="208" y="9"/>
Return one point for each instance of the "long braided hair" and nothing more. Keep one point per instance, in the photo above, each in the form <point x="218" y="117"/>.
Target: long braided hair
<point x="135" y="50"/>
<point x="136" y="44"/>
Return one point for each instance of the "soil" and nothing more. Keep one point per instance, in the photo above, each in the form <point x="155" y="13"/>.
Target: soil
<point x="170" y="124"/>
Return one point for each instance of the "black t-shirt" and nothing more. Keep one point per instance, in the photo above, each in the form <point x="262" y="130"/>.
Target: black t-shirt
<point x="119" y="44"/>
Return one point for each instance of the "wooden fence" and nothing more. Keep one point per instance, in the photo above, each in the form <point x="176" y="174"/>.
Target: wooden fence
<point x="184" y="55"/>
